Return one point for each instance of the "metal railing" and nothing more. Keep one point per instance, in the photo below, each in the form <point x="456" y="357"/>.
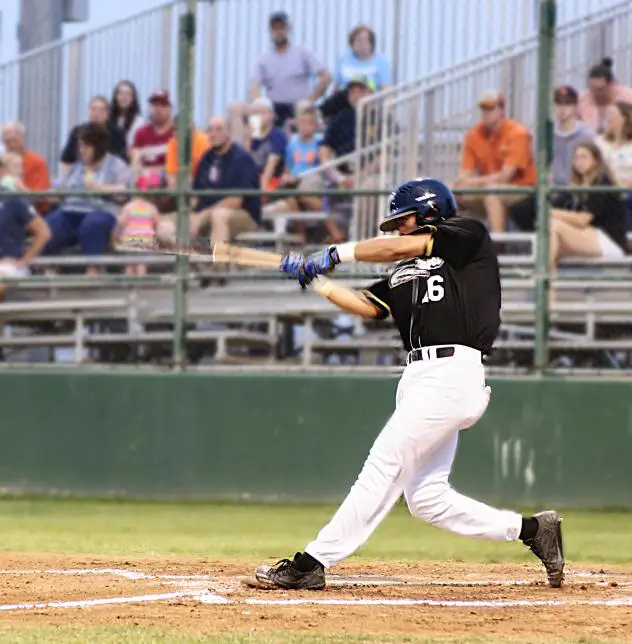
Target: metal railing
<point x="421" y="125"/>
<point x="49" y="88"/>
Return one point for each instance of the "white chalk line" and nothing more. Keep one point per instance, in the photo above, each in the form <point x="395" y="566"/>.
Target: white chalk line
<point x="209" y="598"/>
<point x="517" y="603"/>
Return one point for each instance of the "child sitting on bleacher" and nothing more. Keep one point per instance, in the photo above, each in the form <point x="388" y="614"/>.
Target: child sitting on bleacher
<point x="11" y="171"/>
<point x="138" y="221"/>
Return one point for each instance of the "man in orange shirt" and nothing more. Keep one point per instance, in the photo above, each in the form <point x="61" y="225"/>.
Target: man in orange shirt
<point x="496" y="152"/>
<point x="199" y="145"/>
<point x="35" y="175"/>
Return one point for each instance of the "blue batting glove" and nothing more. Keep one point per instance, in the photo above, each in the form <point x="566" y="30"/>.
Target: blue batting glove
<point x="323" y="262"/>
<point x="292" y="264"/>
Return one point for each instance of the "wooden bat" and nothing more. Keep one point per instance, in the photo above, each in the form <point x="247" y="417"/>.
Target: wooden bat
<point x="221" y="253"/>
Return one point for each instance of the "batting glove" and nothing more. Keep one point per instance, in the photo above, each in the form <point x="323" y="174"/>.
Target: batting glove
<point x="323" y="262"/>
<point x="292" y="264"/>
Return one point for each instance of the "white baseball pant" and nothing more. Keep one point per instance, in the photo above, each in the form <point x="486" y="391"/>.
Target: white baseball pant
<point x="413" y="454"/>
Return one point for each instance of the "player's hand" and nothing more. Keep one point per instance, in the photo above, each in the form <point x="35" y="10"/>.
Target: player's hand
<point x="323" y="262"/>
<point x="292" y="264"/>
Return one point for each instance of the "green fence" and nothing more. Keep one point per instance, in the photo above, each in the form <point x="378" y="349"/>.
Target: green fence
<point x="301" y="437"/>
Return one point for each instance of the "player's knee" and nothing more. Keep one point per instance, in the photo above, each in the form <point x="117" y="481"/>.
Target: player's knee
<point x="430" y="502"/>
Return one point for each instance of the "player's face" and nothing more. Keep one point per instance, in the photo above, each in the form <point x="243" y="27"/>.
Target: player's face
<point x="563" y="113"/>
<point x="407" y="225"/>
<point x="583" y="161"/>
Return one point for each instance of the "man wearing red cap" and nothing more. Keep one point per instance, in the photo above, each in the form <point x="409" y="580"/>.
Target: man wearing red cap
<point x="497" y="151"/>
<point x="149" y="151"/>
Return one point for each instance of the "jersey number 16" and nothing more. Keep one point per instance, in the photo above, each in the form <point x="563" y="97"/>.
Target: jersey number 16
<point x="435" y="290"/>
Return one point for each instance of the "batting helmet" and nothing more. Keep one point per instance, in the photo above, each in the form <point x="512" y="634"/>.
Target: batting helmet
<point x="430" y="200"/>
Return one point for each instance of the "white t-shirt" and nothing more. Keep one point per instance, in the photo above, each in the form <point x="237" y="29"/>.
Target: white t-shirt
<point x="619" y="159"/>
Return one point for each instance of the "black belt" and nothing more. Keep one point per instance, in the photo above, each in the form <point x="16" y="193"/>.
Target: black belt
<point x="419" y="354"/>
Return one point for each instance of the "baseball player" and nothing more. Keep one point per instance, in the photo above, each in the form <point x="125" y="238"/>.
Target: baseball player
<point x="444" y="295"/>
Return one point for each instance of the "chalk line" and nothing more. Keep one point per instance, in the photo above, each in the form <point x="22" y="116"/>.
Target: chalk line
<point x="207" y="598"/>
<point x="517" y="603"/>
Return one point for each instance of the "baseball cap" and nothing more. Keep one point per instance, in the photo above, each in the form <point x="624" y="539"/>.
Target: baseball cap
<point x="491" y="98"/>
<point x="566" y="95"/>
<point x="279" y="16"/>
<point x="362" y="79"/>
<point x="161" y="97"/>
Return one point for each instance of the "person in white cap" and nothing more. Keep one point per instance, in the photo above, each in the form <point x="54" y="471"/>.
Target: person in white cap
<point x="265" y="142"/>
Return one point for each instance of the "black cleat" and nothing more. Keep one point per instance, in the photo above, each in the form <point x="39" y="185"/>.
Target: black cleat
<point x="284" y="574"/>
<point x="547" y="546"/>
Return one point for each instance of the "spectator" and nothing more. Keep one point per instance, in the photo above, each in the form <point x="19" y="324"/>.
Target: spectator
<point x="138" y="221"/>
<point x="17" y="221"/>
<point x="149" y="151"/>
<point x="266" y="143"/>
<point x="603" y="90"/>
<point x="497" y="152"/>
<point x="303" y="154"/>
<point x="226" y="165"/>
<point x="11" y="172"/>
<point x="99" y="114"/>
<point x="362" y="59"/>
<point x="590" y="224"/>
<point x="199" y="145"/>
<point x="286" y="72"/>
<point x="35" y="174"/>
<point x="616" y="147"/>
<point x="568" y="133"/>
<point x="125" y="110"/>
<point x="89" y="220"/>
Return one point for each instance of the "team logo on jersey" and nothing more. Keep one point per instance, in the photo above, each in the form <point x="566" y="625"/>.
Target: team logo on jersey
<point x="419" y="268"/>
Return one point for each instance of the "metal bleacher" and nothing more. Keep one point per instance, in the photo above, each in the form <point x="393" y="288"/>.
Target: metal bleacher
<point x="246" y="317"/>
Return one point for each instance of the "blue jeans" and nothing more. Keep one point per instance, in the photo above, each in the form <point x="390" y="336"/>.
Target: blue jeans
<point x="91" y="230"/>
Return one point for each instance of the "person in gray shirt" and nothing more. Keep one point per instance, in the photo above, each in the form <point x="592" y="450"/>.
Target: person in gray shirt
<point x="569" y="133"/>
<point x="287" y="72"/>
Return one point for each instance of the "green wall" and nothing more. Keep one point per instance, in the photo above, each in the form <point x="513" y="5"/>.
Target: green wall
<point x="567" y="442"/>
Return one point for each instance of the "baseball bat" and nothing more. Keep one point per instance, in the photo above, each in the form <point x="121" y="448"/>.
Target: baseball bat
<point x="221" y="252"/>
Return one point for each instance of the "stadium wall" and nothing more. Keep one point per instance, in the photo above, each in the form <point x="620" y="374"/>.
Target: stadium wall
<point x="298" y="437"/>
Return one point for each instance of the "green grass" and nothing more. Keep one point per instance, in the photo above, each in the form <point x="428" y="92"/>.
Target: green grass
<point x="246" y="532"/>
<point x="256" y="532"/>
<point x="81" y="635"/>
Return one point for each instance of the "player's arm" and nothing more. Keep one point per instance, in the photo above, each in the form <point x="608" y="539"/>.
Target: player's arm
<point x="364" y="303"/>
<point x="387" y="249"/>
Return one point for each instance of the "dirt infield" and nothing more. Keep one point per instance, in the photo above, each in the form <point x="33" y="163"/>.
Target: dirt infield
<point x="210" y="596"/>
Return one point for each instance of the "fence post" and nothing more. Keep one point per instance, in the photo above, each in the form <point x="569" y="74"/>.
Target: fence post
<point x="546" y="47"/>
<point x="186" y="61"/>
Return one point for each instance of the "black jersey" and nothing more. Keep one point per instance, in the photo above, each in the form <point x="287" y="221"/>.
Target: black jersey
<point x="449" y="297"/>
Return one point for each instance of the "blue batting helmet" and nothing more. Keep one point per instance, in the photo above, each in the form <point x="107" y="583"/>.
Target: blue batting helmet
<point x="430" y="200"/>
